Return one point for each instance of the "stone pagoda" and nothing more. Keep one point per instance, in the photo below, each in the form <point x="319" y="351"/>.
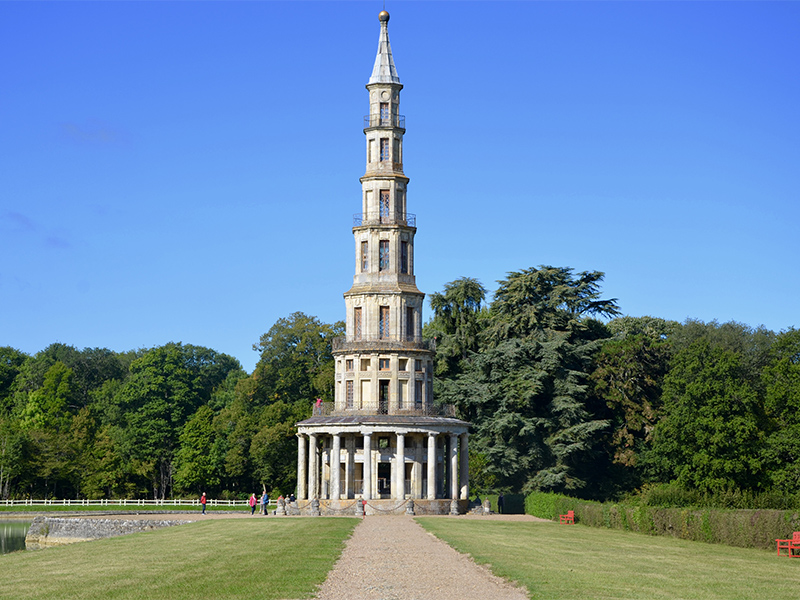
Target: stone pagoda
<point x="383" y="441"/>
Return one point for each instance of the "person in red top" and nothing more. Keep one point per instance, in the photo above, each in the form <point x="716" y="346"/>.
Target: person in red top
<point x="252" y="503"/>
<point x="203" y="502"/>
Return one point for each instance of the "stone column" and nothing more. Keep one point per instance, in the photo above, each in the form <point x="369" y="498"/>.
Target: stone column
<point x="431" y="466"/>
<point x="417" y="470"/>
<point x="336" y="465"/>
<point x="453" y="466"/>
<point x="463" y="471"/>
<point x="301" y="467"/>
<point x="367" y="470"/>
<point x="349" y="469"/>
<point x="400" y="470"/>
<point x="313" y="466"/>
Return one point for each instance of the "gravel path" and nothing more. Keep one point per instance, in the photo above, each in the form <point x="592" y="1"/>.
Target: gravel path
<point x="394" y="558"/>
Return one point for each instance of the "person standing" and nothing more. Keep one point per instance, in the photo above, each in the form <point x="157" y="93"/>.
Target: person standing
<point x="265" y="503"/>
<point x="203" y="502"/>
<point x="500" y="504"/>
<point x="252" y="502"/>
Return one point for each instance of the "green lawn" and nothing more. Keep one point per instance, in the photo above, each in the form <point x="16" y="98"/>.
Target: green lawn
<point x="572" y="562"/>
<point x="214" y="560"/>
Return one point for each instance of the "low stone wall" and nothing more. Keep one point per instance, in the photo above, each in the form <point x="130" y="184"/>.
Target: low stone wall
<point x="57" y="531"/>
<point x="377" y="507"/>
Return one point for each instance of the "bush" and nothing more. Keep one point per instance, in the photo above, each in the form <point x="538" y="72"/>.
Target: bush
<point x="513" y="504"/>
<point x="751" y="528"/>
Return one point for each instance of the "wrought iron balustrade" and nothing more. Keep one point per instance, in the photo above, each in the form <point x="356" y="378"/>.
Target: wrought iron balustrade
<point x="328" y="409"/>
<point x="379" y="120"/>
<point x="381" y="218"/>
<point x="339" y="344"/>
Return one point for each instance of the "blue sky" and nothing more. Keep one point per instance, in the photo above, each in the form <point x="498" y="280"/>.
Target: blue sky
<point x="188" y="171"/>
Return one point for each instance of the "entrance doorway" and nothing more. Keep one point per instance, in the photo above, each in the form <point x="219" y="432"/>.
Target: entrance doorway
<point x="385" y="480"/>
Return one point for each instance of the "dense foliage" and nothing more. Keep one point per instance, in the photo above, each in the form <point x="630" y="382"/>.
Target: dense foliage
<point x="564" y="395"/>
<point x="167" y="421"/>
<point x="567" y="396"/>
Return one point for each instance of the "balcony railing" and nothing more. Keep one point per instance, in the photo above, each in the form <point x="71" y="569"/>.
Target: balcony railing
<point x="384" y="121"/>
<point x="377" y="218"/>
<point x="328" y="409"/>
<point x="340" y="344"/>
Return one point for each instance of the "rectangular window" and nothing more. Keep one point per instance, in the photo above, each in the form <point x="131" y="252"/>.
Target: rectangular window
<point x="383" y="396"/>
<point x="404" y="257"/>
<point x="384" y="208"/>
<point x="396" y="153"/>
<point x="401" y="398"/>
<point x="364" y="257"/>
<point x="384" y="149"/>
<point x="383" y="255"/>
<point x="410" y="331"/>
<point x="385" y="113"/>
<point x="349" y="392"/>
<point x="383" y="364"/>
<point x="383" y="325"/>
<point x="349" y="365"/>
<point x="365" y="364"/>
<point x="418" y="391"/>
<point x="357" y="323"/>
<point x="404" y="364"/>
<point x="418" y="365"/>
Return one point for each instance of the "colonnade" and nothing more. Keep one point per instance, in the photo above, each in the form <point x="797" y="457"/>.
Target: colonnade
<point x="438" y="463"/>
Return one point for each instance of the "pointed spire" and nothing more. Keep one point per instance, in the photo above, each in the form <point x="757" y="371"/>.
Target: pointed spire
<point x="384" y="70"/>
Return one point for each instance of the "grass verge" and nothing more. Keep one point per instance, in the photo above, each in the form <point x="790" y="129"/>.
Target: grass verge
<point x="568" y="562"/>
<point x="225" y="559"/>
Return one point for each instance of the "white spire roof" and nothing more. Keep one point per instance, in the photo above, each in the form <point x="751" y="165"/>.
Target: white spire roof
<point x="384" y="70"/>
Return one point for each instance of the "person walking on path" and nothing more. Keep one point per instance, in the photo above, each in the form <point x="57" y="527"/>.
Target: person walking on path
<point x="203" y="502"/>
<point x="252" y="503"/>
<point x="265" y="503"/>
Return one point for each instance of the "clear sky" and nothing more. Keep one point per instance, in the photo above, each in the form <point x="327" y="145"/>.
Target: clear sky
<point x="188" y="171"/>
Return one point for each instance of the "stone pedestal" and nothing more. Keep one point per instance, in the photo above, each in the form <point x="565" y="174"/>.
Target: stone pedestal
<point x="315" y="507"/>
<point x="410" y="507"/>
<point x="454" y="507"/>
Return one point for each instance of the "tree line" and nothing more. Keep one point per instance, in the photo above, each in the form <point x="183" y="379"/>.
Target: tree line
<point x="566" y="395"/>
<point x="168" y="421"/>
<point x="563" y="392"/>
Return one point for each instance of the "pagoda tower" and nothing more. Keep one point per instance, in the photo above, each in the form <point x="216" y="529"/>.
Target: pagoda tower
<point x="383" y="440"/>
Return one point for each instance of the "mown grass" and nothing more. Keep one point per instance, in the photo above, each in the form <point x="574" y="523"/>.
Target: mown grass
<point x="223" y="559"/>
<point x="570" y="562"/>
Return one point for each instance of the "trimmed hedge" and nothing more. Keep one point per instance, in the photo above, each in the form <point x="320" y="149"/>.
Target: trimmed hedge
<point x="742" y="528"/>
<point x="513" y="504"/>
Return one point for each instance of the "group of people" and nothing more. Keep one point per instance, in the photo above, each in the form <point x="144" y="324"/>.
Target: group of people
<point x="262" y="503"/>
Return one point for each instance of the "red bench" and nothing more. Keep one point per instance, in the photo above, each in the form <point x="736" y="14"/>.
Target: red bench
<point x="567" y="518"/>
<point x="790" y="545"/>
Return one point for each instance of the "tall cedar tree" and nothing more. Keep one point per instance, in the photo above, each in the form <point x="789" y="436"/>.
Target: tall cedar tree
<point x="525" y="391"/>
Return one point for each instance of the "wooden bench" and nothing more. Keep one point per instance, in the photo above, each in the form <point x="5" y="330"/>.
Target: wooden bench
<point x="567" y="518"/>
<point x="790" y="545"/>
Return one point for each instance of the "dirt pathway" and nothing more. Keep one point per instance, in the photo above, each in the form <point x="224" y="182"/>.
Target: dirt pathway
<point x="393" y="558"/>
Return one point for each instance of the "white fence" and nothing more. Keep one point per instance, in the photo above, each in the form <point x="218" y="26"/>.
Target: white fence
<point x="133" y="503"/>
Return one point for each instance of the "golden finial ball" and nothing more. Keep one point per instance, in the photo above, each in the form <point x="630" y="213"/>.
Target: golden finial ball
<point x="383" y="17"/>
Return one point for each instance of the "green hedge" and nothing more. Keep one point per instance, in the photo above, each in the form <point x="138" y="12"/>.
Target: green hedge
<point x="743" y="528"/>
<point x="513" y="504"/>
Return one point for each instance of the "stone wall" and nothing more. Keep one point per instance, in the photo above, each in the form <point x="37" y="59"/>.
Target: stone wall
<point x="57" y="531"/>
<point x="377" y="507"/>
